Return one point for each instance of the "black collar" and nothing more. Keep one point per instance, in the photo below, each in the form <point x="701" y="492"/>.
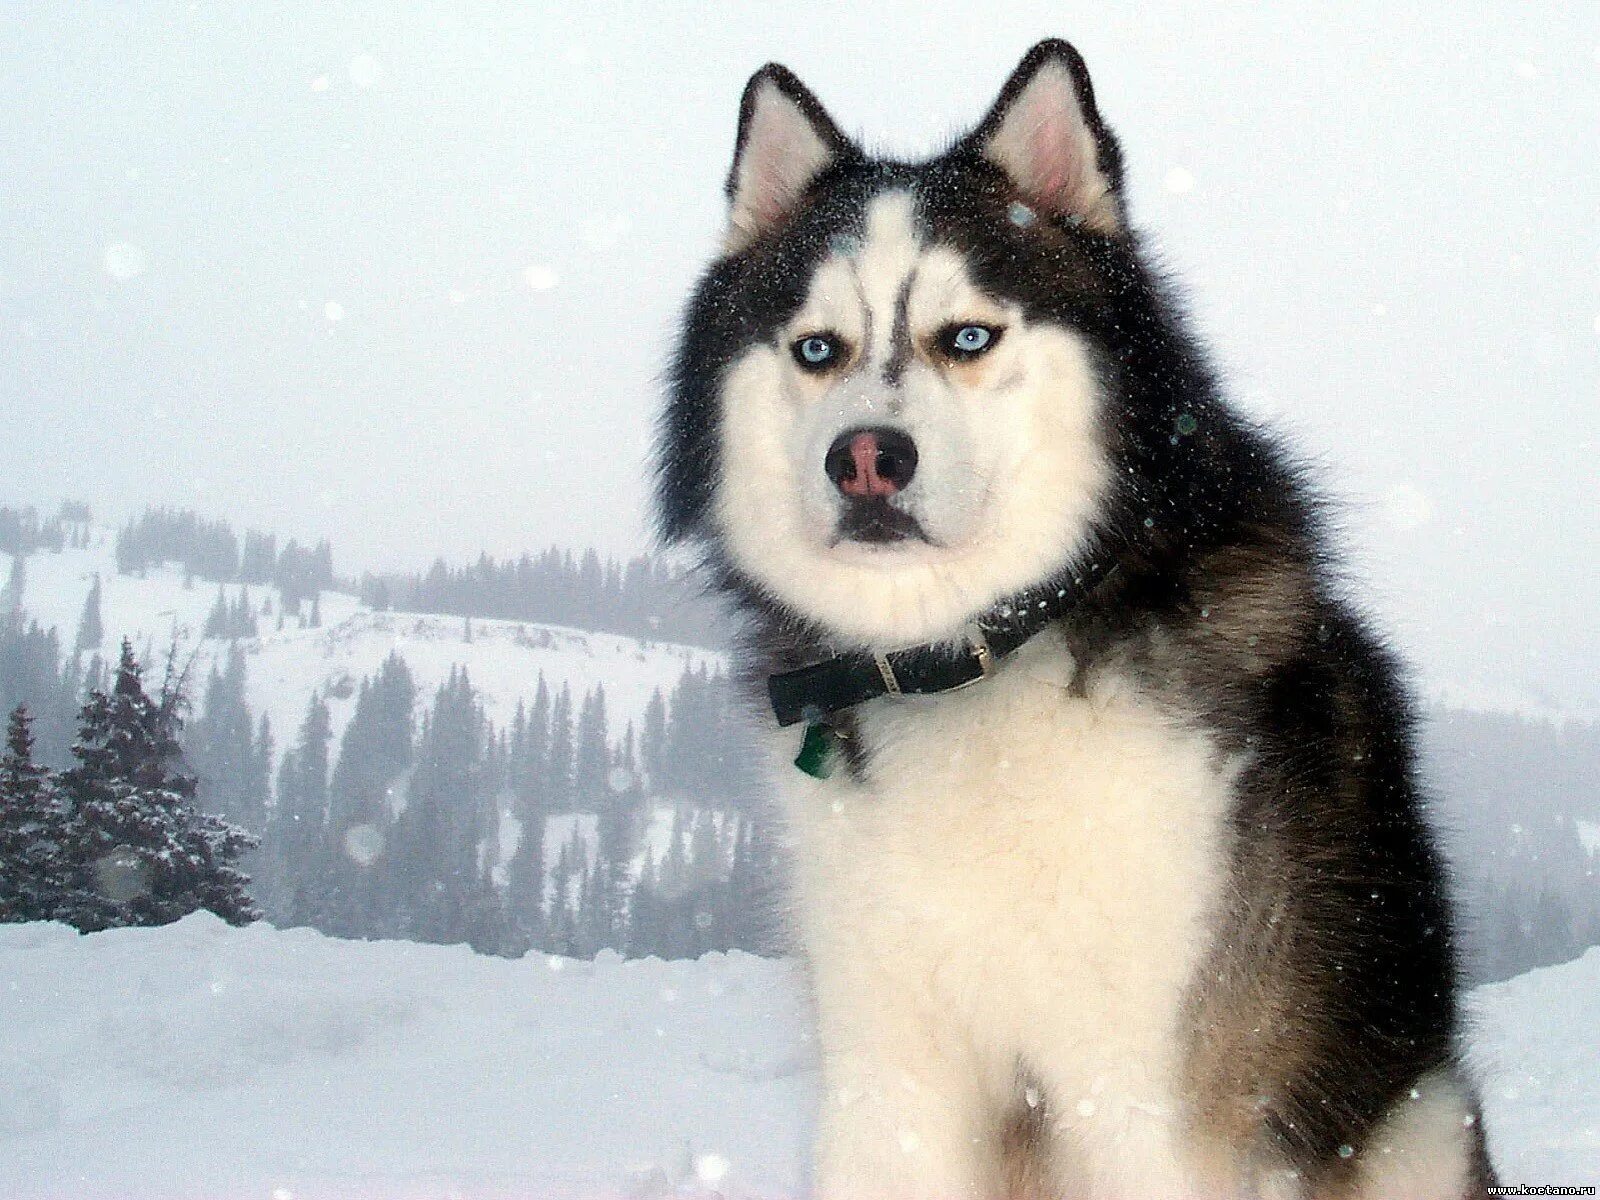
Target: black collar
<point x="813" y="692"/>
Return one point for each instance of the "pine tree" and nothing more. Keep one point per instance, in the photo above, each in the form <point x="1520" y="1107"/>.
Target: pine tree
<point x="527" y="771"/>
<point x="142" y="853"/>
<point x="16" y="584"/>
<point x="33" y="870"/>
<point x="565" y="920"/>
<point x="32" y="673"/>
<point x="295" y="846"/>
<point x="222" y="750"/>
<point x="653" y="742"/>
<point x="374" y="753"/>
<point x="243" y="617"/>
<point x="217" y="620"/>
<point x="752" y="889"/>
<point x="591" y="753"/>
<point x="644" y="925"/>
<point x="558" y="786"/>
<point x="91" y="632"/>
<point x="436" y="867"/>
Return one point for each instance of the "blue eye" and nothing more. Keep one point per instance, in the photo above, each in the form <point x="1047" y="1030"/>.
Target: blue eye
<point x="816" y="351"/>
<point x="971" y="339"/>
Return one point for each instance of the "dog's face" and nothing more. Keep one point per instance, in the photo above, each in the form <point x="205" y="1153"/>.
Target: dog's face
<point x="889" y="409"/>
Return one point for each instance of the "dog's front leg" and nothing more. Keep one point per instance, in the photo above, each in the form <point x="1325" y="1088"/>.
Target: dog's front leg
<point x="890" y="1130"/>
<point x="900" y="1120"/>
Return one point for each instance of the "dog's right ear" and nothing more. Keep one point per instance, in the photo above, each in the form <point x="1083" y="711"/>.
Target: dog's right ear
<point x="1046" y="134"/>
<point x="786" y="140"/>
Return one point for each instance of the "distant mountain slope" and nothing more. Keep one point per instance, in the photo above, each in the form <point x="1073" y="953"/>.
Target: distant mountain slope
<point x="503" y="658"/>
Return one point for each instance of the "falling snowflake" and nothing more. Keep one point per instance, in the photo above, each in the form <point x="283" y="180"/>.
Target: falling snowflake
<point x="710" y="1169"/>
<point x="333" y="310"/>
<point x="365" y="70"/>
<point x="541" y="278"/>
<point x="1407" y="506"/>
<point x="124" y="260"/>
<point x="363" y="844"/>
<point x="1179" y="180"/>
<point x="604" y="232"/>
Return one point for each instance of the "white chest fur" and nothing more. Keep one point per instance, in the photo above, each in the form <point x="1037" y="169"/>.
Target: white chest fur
<point x="1014" y="903"/>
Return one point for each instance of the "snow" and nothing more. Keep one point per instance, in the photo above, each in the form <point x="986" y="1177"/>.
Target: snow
<point x="503" y="658"/>
<point x="1538" y="1055"/>
<point x="199" y="1060"/>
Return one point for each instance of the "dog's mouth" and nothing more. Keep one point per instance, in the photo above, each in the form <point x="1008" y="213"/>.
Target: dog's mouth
<point x="876" y="522"/>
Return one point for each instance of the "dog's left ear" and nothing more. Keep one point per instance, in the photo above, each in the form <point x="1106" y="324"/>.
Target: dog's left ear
<point x="1045" y="133"/>
<point x="786" y="139"/>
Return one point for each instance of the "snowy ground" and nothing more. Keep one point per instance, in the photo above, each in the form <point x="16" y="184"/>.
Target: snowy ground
<point x="204" y="1061"/>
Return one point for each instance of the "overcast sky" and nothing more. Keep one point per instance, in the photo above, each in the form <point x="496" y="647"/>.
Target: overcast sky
<point x="404" y="275"/>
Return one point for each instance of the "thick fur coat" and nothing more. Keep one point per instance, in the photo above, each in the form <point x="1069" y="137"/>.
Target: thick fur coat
<point x="1153" y="911"/>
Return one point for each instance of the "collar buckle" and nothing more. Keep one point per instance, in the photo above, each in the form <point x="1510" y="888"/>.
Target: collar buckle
<point x="980" y="649"/>
<point x="891" y="682"/>
<point x="978" y="652"/>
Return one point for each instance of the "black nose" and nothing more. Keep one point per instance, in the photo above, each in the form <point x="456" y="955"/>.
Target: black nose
<point x="871" y="462"/>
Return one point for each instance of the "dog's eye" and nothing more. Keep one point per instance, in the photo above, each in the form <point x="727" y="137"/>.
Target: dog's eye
<point x="968" y="341"/>
<point x="817" y="351"/>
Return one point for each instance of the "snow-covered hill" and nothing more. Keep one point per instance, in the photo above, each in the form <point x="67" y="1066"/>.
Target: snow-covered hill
<point x="503" y="658"/>
<point x="199" y="1060"/>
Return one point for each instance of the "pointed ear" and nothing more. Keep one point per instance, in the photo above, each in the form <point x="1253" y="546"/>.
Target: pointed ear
<point x="1045" y="133"/>
<point x="786" y="140"/>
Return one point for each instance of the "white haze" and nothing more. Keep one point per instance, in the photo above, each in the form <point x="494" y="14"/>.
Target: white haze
<point x="406" y="275"/>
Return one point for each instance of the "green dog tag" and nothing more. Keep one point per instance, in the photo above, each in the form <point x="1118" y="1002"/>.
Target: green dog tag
<point x="816" y="757"/>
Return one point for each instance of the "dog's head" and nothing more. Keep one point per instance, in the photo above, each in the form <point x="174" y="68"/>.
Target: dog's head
<point x="893" y="400"/>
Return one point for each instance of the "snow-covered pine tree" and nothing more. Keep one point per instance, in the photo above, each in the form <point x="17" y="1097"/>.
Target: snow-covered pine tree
<point x="33" y="870"/>
<point x="141" y="852"/>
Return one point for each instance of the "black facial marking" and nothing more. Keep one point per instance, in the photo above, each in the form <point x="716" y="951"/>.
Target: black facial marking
<point x="877" y="521"/>
<point x="866" y="309"/>
<point x="900" y="348"/>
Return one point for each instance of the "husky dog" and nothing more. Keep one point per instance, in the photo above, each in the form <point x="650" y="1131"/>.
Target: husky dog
<point x="1110" y="874"/>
